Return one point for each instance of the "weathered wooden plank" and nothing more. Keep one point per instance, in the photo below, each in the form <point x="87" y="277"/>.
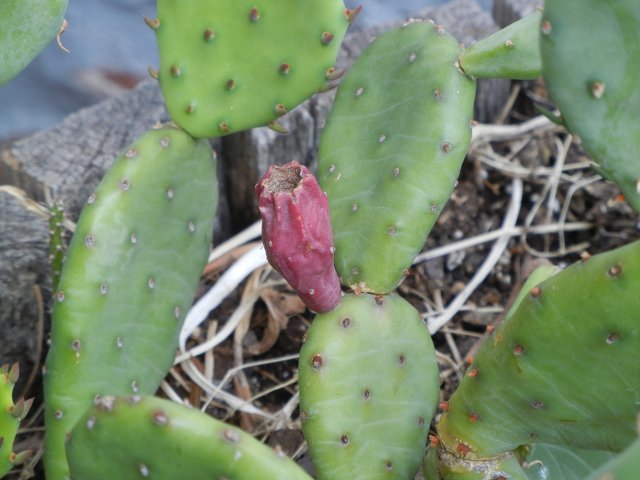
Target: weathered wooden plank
<point x="68" y="160"/>
<point x="24" y="236"/>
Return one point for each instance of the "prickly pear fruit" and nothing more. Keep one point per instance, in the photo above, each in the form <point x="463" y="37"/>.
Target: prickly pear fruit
<point x="590" y="53"/>
<point x="57" y="242"/>
<point x="513" y="52"/>
<point x="369" y="386"/>
<point x="297" y="236"/>
<point x="10" y="416"/>
<point x="227" y="66"/>
<point x="561" y="370"/>
<point x="26" y="27"/>
<point x="392" y="150"/>
<point x="131" y="271"/>
<point x="140" y="436"/>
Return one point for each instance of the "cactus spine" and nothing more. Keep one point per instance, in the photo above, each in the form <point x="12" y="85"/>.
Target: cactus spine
<point x="125" y="288"/>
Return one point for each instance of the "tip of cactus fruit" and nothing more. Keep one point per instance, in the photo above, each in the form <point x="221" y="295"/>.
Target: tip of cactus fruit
<point x="283" y="178"/>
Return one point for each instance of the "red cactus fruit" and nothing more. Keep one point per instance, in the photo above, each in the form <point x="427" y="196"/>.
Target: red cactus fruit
<point x="297" y="235"/>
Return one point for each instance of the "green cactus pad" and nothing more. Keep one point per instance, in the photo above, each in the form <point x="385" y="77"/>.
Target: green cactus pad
<point x="563" y="369"/>
<point x="513" y="52"/>
<point x="590" y="52"/>
<point x="230" y="65"/>
<point x="369" y="386"/>
<point x="57" y="243"/>
<point x="131" y="271"/>
<point x="547" y="462"/>
<point x="625" y="466"/>
<point x="147" y="437"/>
<point x="392" y="150"/>
<point x="10" y="416"/>
<point x="26" y="27"/>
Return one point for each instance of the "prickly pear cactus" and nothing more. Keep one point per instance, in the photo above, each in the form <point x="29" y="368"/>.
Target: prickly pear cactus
<point x="513" y="52"/>
<point x="562" y="370"/>
<point x="590" y="52"/>
<point x="10" y="416"/>
<point x="369" y="385"/>
<point x="392" y="150"/>
<point x="229" y="65"/>
<point x="57" y="242"/>
<point x="129" y="278"/>
<point x="26" y="27"/>
<point x="139" y="437"/>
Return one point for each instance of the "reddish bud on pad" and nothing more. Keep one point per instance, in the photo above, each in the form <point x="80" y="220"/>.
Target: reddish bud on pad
<point x="297" y="235"/>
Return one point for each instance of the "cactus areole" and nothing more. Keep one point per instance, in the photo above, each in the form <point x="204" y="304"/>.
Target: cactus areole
<point x="297" y="235"/>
